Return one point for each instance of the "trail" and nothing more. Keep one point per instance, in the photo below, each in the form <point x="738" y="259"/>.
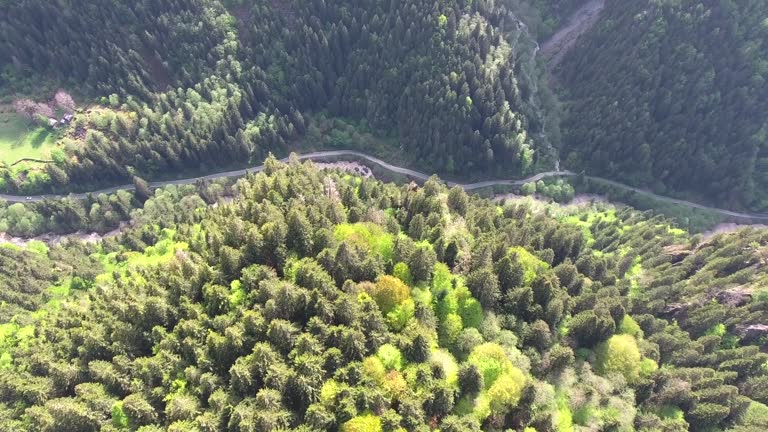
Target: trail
<point x="554" y="49"/>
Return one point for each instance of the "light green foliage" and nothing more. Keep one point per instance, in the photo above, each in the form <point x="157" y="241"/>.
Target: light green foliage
<point x="717" y="330"/>
<point x="755" y="417"/>
<point x="506" y="391"/>
<point x="470" y="310"/>
<point x="447" y="363"/>
<point x="630" y="327"/>
<point x="390" y="357"/>
<point x="531" y="264"/>
<point x="648" y="367"/>
<point x="492" y="362"/>
<point x="237" y="294"/>
<point x="374" y="369"/>
<point x="119" y="419"/>
<point x="450" y="329"/>
<point x="18" y="139"/>
<point x="619" y="355"/>
<point x="38" y="247"/>
<point x="329" y="391"/>
<point x="365" y="423"/>
<point x="441" y="278"/>
<point x="402" y="272"/>
<point x="528" y="189"/>
<point x="456" y="301"/>
<point x="368" y="235"/>
<point x="11" y="336"/>
<point x="399" y="317"/>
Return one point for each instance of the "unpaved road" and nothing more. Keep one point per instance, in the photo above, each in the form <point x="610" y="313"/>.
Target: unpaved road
<point x="555" y="48"/>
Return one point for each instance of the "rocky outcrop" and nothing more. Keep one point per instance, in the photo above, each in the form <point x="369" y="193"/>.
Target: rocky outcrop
<point x="752" y="332"/>
<point x="734" y="297"/>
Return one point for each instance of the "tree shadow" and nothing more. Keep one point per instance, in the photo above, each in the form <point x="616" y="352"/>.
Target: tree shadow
<point x="38" y="137"/>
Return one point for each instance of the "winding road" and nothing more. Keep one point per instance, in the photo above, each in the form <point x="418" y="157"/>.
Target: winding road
<point x="320" y="155"/>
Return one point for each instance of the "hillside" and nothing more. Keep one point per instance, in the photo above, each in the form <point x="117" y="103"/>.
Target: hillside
<point x="321" y="301"/>
<point x="192" y="85"/>
<point x="671" y="96"/>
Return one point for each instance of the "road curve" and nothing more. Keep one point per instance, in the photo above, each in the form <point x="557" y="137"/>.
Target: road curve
<point x="397" y="169"/>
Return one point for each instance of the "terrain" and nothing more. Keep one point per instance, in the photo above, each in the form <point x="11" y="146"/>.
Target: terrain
<point x="162" y="270"/>
<point x="671" y="96"/>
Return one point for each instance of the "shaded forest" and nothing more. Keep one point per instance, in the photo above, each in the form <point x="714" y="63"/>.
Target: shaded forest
<point x="193" y="85"/>
<point x="672" y="96"/>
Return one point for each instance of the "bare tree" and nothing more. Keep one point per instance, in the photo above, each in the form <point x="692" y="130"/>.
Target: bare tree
<point x="25" y="108"/>
<point x="64" y="101"/>
<point x="45" y="110"/>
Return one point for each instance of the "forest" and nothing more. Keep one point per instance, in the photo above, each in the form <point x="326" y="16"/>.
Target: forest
<point x="309" y="298"/>
<point x="671" y="95"/>
<point x="317" y="300"/>
<point x="193" y="85"/>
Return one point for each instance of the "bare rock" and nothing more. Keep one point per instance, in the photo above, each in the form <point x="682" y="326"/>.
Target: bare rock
<point x="752" y="332"/>
<point x="734" y="297"/>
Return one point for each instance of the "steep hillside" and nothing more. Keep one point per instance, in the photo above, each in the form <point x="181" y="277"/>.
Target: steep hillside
<point x="671" y="96"/>
<point x="195" y="84"/>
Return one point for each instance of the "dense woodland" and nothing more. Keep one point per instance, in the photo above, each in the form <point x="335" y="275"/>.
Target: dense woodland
<point x="321" y="301"/>
<point x="672" y="95"/>
<point x="312" y="300"/>
<point x="196" y="84"/>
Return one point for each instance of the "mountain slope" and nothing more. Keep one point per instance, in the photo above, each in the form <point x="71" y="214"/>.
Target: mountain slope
<point x="671" y="95"/>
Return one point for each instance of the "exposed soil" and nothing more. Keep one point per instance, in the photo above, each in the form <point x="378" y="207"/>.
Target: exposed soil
<point x="727" y="228"/>
<point x="554" y="49"/>
<point x="54" y="239"/>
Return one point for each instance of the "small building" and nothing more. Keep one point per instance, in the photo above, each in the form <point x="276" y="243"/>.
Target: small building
<point x="52" y="122"/>
<point x="68" y="118"/>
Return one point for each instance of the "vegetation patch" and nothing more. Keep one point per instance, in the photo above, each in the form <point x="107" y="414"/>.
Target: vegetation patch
<point x="19" y="140"/>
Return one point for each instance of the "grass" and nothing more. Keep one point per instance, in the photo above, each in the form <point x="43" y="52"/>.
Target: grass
<point x="19" y="141"/>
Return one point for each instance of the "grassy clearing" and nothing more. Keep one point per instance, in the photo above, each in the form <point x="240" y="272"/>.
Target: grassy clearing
<point x="19" y="141"/>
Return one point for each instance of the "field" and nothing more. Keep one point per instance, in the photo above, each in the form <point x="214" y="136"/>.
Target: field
<point x="18" y="141"/>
